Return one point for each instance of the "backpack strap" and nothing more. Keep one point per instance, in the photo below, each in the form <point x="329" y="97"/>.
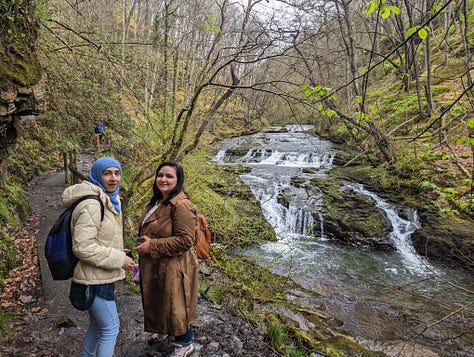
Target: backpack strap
<point x="93" y="197"/>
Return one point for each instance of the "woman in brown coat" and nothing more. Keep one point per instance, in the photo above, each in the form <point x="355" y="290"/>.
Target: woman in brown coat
<point x="168" y="261"/>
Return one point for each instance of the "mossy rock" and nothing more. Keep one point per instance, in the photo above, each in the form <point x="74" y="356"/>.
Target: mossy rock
<point x="352" y="218"/>
<point x="24" y="70"/>
<point x="341" y="346"/>
<point x="445" y="238"/>
<point x="441" y="237"/>
<point x="284" y="198"/>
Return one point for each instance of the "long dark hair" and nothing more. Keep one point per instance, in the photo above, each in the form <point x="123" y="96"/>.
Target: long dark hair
<point x="157" y="195"/>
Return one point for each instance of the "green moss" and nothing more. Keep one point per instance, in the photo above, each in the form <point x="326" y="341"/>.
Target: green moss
<point x="24" y="70"/>
<point x="400" y="107"/>
<point x="232" y="211"/>
<point x="248" y="312"/>
<point x="303" y="338"/>
<point x="252" y="281"/>
<point x="31" y="156"/>
<point x="18" y="33"/>
<point x="294" y="341"/>
<point x="449" y="70"/>
<point x="437" y="90"/>
<point x="5" y="318"/>
<point x="214" y="293"/>
<point x="13" y="205"/>
<point x="9" y="256"/>
<point x="276" y="334"/>
<point x="340" y="346"/>
<point x="284" y="199"/>
<point x="375" y="95"/>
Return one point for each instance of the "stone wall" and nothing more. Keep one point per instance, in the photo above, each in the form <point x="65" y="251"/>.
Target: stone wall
<point x="19" y="107"/>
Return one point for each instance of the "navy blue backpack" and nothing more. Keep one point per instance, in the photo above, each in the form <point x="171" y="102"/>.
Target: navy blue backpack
<point x="58" y="247"/>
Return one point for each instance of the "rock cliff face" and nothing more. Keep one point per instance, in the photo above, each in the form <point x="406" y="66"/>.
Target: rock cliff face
<point x="22" y="87"/>
<point x="445" y="238"/>
<point x="19" y="107"/>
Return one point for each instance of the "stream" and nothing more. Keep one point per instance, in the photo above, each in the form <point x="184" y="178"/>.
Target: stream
<point x="397" y="301"/>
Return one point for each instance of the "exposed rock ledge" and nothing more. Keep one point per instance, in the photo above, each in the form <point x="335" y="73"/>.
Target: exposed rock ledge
<point x="19" y="106"/>
<point x="441" y="237"/>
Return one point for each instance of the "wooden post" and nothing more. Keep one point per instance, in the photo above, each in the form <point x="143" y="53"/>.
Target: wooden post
<point x="74" y="158"/>
<point x="70" y="163"/>
<point x="66" y="169"/>
<point x="73" y="164"/>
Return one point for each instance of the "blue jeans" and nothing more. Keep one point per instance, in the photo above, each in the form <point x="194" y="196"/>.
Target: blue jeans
<point x="103" y="329"/>
<point x="186" y="339"/>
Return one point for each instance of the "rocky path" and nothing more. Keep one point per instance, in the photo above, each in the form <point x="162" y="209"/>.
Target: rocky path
<point x="47" y="325"/>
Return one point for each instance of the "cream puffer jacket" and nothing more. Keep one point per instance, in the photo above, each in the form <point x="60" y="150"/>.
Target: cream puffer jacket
<point x="98" y="245"/>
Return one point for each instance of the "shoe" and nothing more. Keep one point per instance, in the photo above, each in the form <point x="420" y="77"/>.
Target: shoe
<point x="181" y="351"/>
<point x="156" y="337"/>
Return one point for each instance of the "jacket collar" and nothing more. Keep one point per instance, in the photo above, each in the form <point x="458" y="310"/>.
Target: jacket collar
<point x="178" y="198"/>
<point x="174" y="201"/>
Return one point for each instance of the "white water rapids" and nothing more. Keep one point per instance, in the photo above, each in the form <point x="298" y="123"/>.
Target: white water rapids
<point x="348" y="279"/>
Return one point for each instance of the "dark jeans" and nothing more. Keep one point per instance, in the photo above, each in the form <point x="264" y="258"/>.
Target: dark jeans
<point x="186" y="339"/>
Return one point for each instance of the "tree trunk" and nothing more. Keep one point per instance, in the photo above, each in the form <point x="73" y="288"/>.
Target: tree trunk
<point x="429" y="94"/>
<point x="466" y="43"/>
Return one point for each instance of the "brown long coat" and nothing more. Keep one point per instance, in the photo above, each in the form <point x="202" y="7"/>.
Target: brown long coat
<point x="170" y="274"/>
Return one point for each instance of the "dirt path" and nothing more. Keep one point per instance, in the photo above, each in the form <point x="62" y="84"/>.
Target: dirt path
<point x="47" y="325"/>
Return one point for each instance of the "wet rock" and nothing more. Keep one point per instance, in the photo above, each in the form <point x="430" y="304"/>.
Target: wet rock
<point x="445" y="238"/>
<point x="350" y="217"/>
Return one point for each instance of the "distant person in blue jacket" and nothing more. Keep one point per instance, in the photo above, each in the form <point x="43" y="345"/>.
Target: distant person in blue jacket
<point x="99" y="130"/>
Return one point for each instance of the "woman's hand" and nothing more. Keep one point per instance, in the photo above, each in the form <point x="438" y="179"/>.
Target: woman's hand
<point x="129" y="262"/>
<point x="145" y="246"/>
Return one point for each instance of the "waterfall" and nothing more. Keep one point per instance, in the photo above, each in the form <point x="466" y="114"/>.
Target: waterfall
<point x="276" y="159"/>
<point x="401" y="231"/>
<point x="284" y="169"/>
<point x="220" y="156"/>
<point x="294" y="219"/>
<point x="297" y="221"/>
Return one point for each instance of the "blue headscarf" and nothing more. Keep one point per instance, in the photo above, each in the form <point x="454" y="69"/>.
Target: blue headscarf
<point x="95" y="176"/>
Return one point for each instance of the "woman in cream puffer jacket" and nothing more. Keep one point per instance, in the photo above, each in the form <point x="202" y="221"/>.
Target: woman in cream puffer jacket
<point x="99" y="247"/>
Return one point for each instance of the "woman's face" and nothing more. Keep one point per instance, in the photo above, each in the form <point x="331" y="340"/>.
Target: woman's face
<point x="166" y="180"/>
<point x="111" y="178"/>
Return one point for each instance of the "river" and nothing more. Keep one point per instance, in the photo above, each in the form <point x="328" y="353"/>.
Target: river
<point x="398" y="301"/>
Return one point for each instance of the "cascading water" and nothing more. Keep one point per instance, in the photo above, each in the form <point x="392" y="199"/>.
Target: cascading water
<point x="285" y="220"/>
<point x="282" y="164"/>
<point x="401" y="232"/>
<point x="276" y="158"/>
